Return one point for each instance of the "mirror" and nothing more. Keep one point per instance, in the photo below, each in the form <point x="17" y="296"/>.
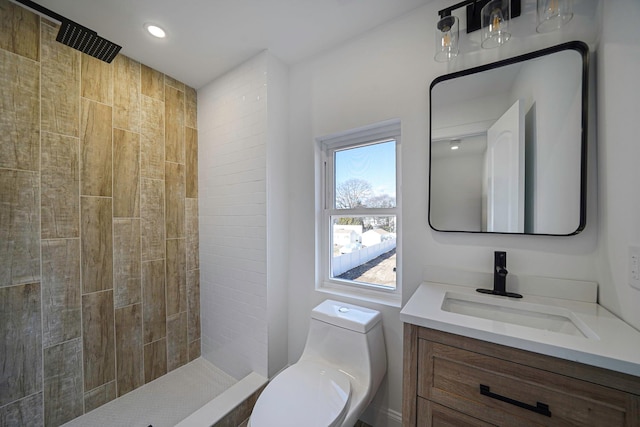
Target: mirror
<point x="508" y="145"/>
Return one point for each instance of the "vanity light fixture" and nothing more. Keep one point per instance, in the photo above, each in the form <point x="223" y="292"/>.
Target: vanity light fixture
<point x="446" y="39"/>
<point x="553" y="14"/>
<point x="454" y="144"/>
<point x="492" y="16"/>
<point x="155" y="30"/>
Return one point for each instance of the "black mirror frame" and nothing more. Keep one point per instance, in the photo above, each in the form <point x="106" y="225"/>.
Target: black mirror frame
<point x="581" y="48"/>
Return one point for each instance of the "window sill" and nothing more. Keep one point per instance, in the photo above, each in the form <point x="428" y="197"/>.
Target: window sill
<point x="391" y="299"/>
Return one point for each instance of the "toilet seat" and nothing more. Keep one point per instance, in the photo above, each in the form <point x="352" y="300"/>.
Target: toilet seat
<point x="305" y="394"/>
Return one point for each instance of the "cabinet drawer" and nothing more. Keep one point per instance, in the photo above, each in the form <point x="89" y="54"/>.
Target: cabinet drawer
<point x="501" y="392"/>
<point x="433" y="415"/>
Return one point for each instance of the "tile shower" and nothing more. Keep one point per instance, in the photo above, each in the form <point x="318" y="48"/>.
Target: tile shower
<point x="99" y="270"/>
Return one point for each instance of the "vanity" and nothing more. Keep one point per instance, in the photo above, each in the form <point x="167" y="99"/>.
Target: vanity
<point x="483" y="360"/>
<point x="508" y="147"/>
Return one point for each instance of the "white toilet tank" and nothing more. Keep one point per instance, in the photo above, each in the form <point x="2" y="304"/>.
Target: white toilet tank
<point x="350" y="338"/>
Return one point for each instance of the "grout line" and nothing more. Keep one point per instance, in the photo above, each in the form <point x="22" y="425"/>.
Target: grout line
<point x="126" y="130"/>
<point x="62" y="134"/>
<point x="106" y="104"/>
<point x="164" y="216"/>
<point x="149" y="96"/>
<point x="127" y="306"/>
<point x="152" y="260"/>
<point x="21" y="170"/>
<point x="175" y="163"/>
<point x="97" y="292"/>
<point x="33" y="282"/>
<point x="101" y="386"/>
<point x="23" y="398"/>
<point x="113" y="268"/>
<point x="155" y="341"/>
<point x="63" y="342"/>
<point x="39" y="208"/>
<point x="80" y="235"/>
<point x="97" y="197"/>
<point x="22" y="57"/>
<point x="140" y="260"/>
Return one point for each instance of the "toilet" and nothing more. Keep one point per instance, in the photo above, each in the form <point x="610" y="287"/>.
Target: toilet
<point x="339" y="372"/>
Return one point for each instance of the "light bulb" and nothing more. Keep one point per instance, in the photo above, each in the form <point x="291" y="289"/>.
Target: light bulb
<point x="446" y="39"/>
<point x="495" y="21"/>
<point x="552" y="8"/>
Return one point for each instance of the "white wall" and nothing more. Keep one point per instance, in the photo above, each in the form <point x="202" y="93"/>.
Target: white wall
<point x="277" y="213"/>
<point x="242" y="117"/>
<point x="232" y="157"/>
<point x="618" y="63"/>
<point x="386" y="74"/>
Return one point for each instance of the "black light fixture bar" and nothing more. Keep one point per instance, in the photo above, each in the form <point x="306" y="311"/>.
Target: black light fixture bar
<point x="474" y="7"/>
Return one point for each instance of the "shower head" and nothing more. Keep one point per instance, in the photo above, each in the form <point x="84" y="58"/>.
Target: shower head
<point x="87" y="41"/>
<point x="77" y="36"/>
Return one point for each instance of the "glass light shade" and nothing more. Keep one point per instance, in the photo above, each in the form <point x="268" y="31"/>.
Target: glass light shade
<point x="447" y="32"/>
<point x="495" y="23"/>
<point x="553" y="14"/>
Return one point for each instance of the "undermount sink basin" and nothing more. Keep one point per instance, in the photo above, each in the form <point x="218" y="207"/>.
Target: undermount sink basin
<point x="517" y="312"/>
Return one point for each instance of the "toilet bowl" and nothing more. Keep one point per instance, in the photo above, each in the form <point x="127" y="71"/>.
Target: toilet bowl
<point x="339" y="372"/>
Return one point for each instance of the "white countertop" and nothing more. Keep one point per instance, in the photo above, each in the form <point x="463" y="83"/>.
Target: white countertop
<point x="615" y="345"/>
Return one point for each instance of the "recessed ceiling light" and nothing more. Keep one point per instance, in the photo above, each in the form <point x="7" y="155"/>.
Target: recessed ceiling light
<point x="155" y="31"/>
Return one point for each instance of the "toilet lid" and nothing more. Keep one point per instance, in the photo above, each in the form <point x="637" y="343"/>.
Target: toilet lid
<point x="305" y="394"/>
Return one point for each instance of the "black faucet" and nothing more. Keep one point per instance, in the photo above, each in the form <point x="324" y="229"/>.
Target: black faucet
<point x="500" y="277"/>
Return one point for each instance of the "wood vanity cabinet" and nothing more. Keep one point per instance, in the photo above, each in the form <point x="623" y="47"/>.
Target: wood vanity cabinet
<point x="455" y="381"/>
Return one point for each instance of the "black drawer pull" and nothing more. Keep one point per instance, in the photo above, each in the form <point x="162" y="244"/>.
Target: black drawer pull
<point x="540" y="408"/>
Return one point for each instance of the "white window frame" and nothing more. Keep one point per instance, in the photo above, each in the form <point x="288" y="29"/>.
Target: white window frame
<point x="325" y="147"/>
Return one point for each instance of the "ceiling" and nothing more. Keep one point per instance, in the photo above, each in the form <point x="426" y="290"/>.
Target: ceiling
<point x="206" y="38"/>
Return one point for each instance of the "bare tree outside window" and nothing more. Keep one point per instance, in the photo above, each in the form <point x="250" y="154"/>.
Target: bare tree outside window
<point x="353" y="193"/>
<point x="382" y="201"/>
<point x="358" y="193"/>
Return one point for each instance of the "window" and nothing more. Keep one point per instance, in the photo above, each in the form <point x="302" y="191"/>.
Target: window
<point x="359" y="218"/>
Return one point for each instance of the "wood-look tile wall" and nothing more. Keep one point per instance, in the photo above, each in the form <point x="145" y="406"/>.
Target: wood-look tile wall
<point x="99" y="269"/>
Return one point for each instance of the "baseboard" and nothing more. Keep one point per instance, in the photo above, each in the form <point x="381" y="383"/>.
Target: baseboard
<point x="382" y="417"/>
<point x="394" y="417"/>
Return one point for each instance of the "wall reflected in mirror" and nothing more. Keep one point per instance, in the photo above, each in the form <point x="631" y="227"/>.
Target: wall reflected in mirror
<point x="508" y="151"/>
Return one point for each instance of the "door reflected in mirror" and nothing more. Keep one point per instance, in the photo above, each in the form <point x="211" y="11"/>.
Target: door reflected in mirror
<point x="508" y="145"/>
